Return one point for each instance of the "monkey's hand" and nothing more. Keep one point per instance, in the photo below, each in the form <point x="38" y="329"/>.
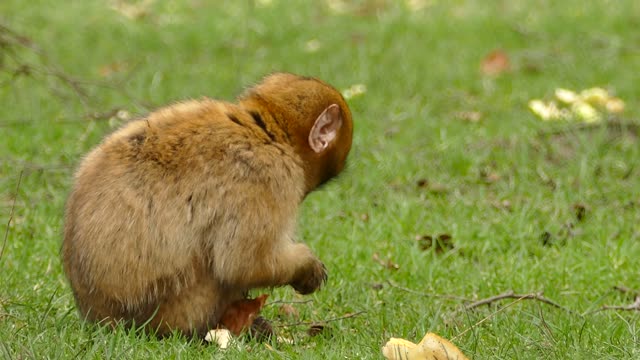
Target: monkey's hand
<point x="310" y="277"/>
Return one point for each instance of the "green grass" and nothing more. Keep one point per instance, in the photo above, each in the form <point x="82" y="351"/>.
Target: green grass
<point x="496" y="186"/>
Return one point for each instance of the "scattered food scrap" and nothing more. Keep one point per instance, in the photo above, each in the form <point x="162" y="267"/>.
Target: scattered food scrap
<point x="353" y="91"/>
<point x="588" y="106"/>
<point x="431" y="347"/>
<point x="222" y="337"/>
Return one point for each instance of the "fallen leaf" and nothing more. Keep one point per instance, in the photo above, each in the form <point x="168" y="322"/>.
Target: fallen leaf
<point x="377" y="286"/>
<point x="440" y="243"/>
<point x="315" y="329"/>
<point x="434" y="188"/>
<point x="261" y="329"/>
<point x="580" y="211"/>
<point x="495" y="63"/>
<point x="239" y="316"/>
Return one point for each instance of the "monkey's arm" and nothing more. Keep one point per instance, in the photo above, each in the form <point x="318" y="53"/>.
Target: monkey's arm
<point x="262" y="253"/>
<point x="252" y="244"/>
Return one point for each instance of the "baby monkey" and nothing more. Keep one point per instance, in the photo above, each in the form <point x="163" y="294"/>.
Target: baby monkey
<point x="177" y="215"/>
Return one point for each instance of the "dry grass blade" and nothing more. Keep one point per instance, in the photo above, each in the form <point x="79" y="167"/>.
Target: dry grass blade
<point x="13" y="206"/>
<point x="311" y="323"/>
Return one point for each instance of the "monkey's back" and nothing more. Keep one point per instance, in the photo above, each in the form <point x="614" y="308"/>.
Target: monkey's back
<point x="159" y="204"/>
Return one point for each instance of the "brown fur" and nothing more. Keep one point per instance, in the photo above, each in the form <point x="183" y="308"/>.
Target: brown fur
<point x="177" y="215"/>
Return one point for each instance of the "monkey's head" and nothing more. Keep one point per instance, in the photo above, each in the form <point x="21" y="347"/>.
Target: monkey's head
<point x="314" y="117"/>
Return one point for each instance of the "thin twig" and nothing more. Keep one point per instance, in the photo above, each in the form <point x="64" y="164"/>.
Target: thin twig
<point x="449" y="297"/>
<point x="486" y="318"/>
<point x="13" y="206"/>
<point x="625" y="290"/>
<point x="275" y="302"/>
<point x="633" y="307"/>
<point x="11" y="39"/>
<point x="309" y="323"/>
<point x="511" y="295"/>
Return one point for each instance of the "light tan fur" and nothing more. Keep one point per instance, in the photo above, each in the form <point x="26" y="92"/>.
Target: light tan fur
<point x="178" y="214"/>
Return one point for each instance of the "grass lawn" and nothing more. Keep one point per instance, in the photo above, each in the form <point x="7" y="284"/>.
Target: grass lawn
<point x="444" y="155"/>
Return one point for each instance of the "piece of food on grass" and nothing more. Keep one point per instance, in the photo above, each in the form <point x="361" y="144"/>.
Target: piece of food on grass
<point x="222" y="337"/>
<point x="397" y="349"/>
<point x="431" y="347"/>
<point x="240" y="315"/>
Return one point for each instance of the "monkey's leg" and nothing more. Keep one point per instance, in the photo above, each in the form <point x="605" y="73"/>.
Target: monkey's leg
<point x="194" y="309"/>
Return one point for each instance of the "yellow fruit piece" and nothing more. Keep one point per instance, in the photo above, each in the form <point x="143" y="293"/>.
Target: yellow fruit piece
<point x="397" y="349"/>
<point x="586" y="112"/>
<point x="566" y="96"/>
<point x="615" y="105"/>
<point x="547" y="111"/>
<point x="431" y="347"/>
<point x="595" y="96"/>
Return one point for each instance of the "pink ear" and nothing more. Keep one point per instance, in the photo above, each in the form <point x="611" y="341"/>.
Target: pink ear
<point x="326" y="128"/>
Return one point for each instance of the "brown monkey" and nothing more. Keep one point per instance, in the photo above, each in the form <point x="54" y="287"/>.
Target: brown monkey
<point x="176" y="216"/>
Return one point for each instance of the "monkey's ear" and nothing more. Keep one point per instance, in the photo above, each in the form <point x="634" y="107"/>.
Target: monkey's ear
<point x="326" y="128"/>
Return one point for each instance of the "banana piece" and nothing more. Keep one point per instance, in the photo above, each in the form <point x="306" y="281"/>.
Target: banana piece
<point x="431" y="347"/>
<point x="398" y="349"/>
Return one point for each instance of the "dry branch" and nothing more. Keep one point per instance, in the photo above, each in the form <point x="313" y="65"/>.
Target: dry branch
<point x="12" y="44"/>
<point x="511" y="295"/>
<point x="633" y="307"/>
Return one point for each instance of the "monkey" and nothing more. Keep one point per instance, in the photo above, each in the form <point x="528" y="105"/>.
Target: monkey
<point x="179" y="214"/>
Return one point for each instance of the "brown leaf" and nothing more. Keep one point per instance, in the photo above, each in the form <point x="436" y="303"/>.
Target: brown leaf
<point x="495" y="63"/>
<point x="315" y="329"/>
<point x="440" y="243"/>
<point x="580" y="211"/>
<point x="239" y="316"/>
<point x="261" y="329"/>
<point x="377" y="286"/>
<point x="435" y="188"/>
